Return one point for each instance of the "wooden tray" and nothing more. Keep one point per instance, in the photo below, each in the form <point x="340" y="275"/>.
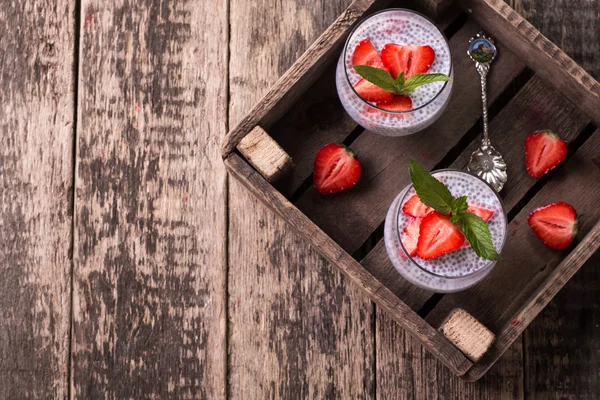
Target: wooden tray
<point x="533" y="85"/>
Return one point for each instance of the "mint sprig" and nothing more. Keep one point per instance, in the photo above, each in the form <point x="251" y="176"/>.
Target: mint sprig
<point x="382" y="78"/>
<point x="432" y="192"/>
<point x="436" y="195"/>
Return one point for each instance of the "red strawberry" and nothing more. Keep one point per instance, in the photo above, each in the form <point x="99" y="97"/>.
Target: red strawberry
<point x="336" y="169"/>
<point x="555" y="224"/>
<point x="365" y="54"/>
<point x="408" y="59"/>
<point x="438" y="236"/>
<point x="543" y="152"/>
<point x="398" y="103"/>
<point x="481" y="212"/>
<point x="415" y="208"/>
<point x="371" y="92"/>
<point x="410" y="237"/>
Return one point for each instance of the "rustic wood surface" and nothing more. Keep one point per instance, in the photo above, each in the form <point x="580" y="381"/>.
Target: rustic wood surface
<point x="132" y="267"/>
<point x="150" y="222"/>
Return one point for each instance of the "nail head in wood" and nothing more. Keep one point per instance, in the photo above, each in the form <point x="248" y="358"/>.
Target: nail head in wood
<point x="468" y="334"/>
<point x="264" y="154"/>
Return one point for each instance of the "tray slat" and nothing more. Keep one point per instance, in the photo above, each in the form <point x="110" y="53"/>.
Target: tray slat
<point x="539" y="53"/>
<point x="500" y="295"/>
<point x="350" y="217"/>
<point x="536" y="105"/>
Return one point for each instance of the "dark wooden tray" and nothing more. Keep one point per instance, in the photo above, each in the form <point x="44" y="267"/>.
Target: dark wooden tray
<point x="533" y="85"/>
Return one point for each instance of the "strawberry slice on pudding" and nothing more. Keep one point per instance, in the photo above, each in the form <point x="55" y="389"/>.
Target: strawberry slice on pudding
<point x="411" y="60"/>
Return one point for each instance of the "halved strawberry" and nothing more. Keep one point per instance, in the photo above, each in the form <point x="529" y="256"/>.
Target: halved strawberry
<point x="555" y="224"/>
<point x="371" y="92"/>
<point x="336" y="169"/>
<point x="438" y="236"/>
<point x="481" y="212"/>
<point x="410" y="237"/>
<point x="398" y="103"/>
<point x="365" y="54"/>
<point x="543" y="152"/>
<point x="408" y="59"/>
<point x="415" y="208"/>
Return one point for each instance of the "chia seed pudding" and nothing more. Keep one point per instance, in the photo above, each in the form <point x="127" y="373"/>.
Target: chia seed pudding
<point x="403" y="27"/>
<point x="456" y="270"/>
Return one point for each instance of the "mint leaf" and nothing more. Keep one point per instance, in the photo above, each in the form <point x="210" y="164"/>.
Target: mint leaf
<point x="477" y="233"/>
<point x="432" y="192"/>
<point x="422" y="79"/>
<point x="377" y="76"/>
<point x="400" y="79"/>
<point x="459" y="204"/>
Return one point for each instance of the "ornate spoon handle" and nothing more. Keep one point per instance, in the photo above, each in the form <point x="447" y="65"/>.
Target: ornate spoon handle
<point x="483" y="71"/>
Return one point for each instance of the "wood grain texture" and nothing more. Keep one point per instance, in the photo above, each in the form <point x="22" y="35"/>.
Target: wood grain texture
<point x="539" y="53"/>
<point x="148" y="302"/>
<point x="297" y="327"/>
<point x="406" y="370"/>
<point x="265" y="154"/>
<point x="36" y="179"/>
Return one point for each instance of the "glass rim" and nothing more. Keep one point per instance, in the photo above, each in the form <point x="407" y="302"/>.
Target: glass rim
<point x="385" y="11"/>
<point x="428" y="272"/>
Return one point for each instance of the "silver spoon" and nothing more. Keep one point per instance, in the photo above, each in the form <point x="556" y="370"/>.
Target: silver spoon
<point x="486" y="162"/>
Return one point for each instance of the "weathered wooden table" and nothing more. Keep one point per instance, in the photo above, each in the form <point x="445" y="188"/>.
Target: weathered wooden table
<point x="131" y="267"/>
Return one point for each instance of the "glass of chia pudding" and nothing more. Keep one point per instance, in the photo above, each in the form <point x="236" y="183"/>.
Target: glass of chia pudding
<point x="398" y="41"/>
<point x="417" y="237"/>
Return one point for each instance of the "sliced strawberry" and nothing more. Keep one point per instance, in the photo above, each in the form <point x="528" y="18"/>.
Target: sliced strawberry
<point x="415" y="208"/>
<point x="398" y="103"/>
<point x="408" y="59"/>
<point x="543" y="152"/>
<point x="555" y="224"/>
<point x="365" y="54"/>
<point x="336" y="169"/>
<point x="371" y="92"/>
<point x="410" y="237"/>
<point x="438" y="236"/>
<point x="481" y="212"/>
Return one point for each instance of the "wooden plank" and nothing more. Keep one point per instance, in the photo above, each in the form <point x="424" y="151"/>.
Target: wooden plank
<point x="149" y="281"/>
<point x="498" y="297"/>
<point x="297" y="327"/>
<point x="539" y="53"/>
<point x="405" y="370"/>
<point x="36" y="182"/>
<point x="350" y="217"/>
<point x="562" y="347"/>
<point x="536" y="105"/>
<point x="541" y="298"/>
<point x="383" y="297"/>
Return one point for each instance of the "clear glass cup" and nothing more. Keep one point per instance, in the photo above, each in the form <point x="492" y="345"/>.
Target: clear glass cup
<point x="453" y="271"/>
<point x="404" y="27"/>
